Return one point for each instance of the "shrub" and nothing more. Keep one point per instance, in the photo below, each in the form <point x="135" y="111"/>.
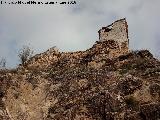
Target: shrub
<point x="25" y="53"/>
<point x="131" y="102"/>
<point x="2" y="63"/>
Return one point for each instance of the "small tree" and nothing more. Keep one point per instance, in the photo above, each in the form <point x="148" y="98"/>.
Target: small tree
<point x="25" y="53"/>
<point x="2" y="63"/>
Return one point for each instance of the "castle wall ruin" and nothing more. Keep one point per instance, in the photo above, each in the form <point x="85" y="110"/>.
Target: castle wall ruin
<point x="113" y="42"/>
<point x="117" y="31"/>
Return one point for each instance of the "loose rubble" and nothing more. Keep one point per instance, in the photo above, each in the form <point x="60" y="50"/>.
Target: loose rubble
<point x="101" y="83"/>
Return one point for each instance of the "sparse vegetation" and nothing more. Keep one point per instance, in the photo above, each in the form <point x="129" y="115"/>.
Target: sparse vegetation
<point x="2" y="63"/>
<point x="30" y="78"/>
<point x="131" y="102"/>
<point x="25" y="53"/>
<point x="65" y="86"/>
<point x="155" y="89"/>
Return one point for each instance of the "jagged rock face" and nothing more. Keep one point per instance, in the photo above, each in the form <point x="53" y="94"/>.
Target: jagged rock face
<point x="91" y="88"/>
<point x="113" y="42"/>
<point x="87" y="85"/>
<point x="4" y="85"/>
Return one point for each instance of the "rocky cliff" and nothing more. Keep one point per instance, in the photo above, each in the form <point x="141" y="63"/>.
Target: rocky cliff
<point x="101" y="83"/>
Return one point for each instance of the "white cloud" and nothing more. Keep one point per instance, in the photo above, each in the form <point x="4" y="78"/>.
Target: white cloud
<point x="75" y="27"/>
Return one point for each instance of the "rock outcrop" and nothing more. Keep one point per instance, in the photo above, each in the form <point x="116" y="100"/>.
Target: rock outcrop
<point x="104" y="82"/>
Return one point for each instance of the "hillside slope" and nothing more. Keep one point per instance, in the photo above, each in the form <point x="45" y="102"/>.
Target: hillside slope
<point x="90" y="88"/>
<point x="101" y="83"/>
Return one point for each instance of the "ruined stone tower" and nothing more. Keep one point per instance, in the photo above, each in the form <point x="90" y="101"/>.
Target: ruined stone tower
<point x="117" y="32"/>
<point x="113" y="42"/>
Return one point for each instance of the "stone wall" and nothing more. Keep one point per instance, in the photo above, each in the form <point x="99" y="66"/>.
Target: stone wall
<point x="113" y="43"/>
<point x="117" y="31"/>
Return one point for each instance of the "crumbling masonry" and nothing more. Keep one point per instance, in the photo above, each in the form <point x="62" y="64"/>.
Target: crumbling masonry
<point x="118" y="32"/>
<point x="113" y="42"/>
<point x="101" y="83"/>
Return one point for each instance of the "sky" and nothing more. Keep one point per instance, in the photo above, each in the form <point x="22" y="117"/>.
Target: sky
<point x="75" y="27"/>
